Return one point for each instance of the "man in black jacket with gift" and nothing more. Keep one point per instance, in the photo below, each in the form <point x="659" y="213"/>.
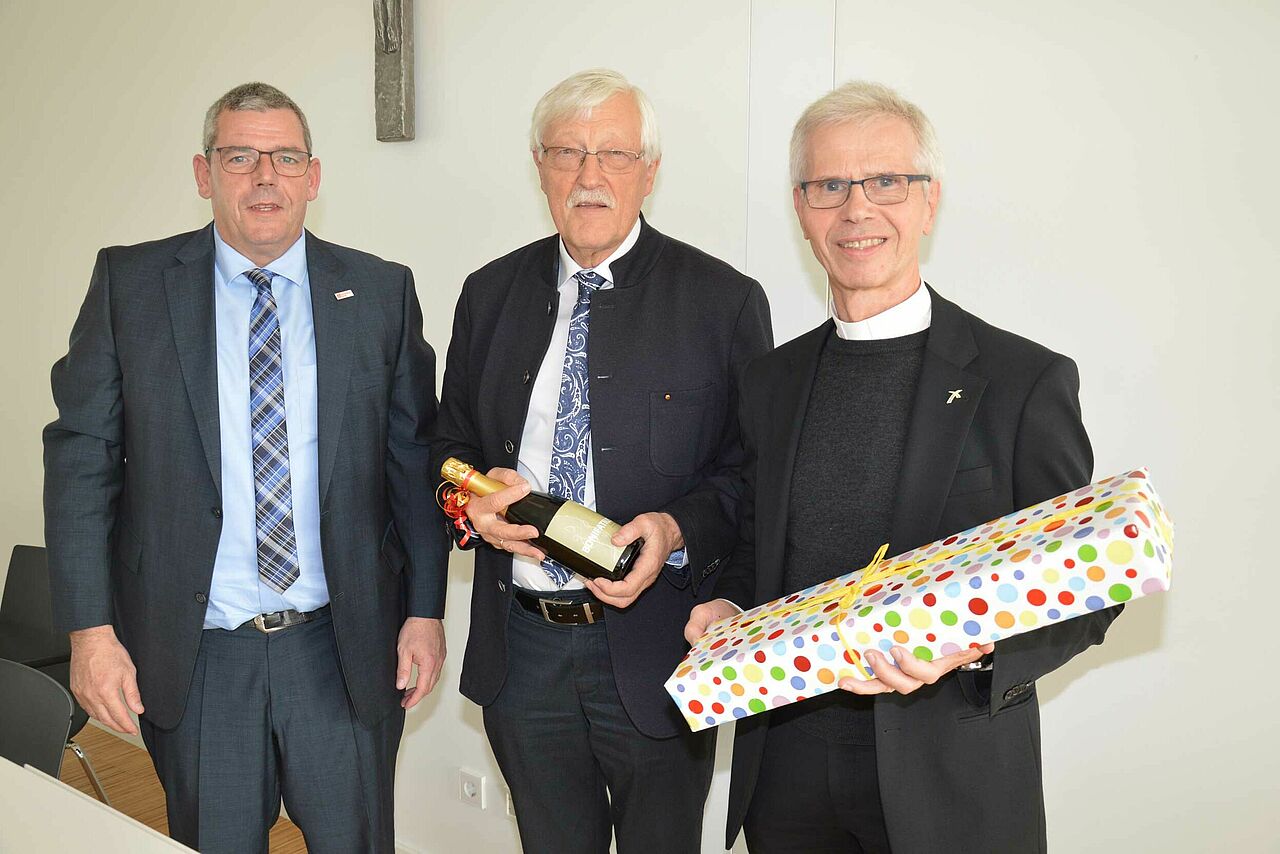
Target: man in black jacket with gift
<point x="599" y="364"/>
<point x="901" y="420"/>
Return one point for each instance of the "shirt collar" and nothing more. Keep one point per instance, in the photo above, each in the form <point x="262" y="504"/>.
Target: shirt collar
<point x="911" y="315"/>
<point x="291" y="266"/>
<point x="569" y="267"/>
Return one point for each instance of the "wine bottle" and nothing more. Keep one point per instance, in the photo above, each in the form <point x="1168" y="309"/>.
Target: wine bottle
<point x="569" y="533"/>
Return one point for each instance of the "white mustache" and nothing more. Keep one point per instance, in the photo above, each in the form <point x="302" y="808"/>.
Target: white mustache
<point x="593" y="196"/>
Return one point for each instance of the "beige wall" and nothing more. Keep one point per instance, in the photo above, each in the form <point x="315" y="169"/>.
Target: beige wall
<point x="1109" y="193"/>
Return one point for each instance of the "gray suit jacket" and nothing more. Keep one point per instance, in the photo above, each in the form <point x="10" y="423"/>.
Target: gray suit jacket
<point x="133" y="507"/>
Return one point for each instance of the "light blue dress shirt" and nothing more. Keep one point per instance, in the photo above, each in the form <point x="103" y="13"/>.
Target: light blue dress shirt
<point x="236" y="594"/>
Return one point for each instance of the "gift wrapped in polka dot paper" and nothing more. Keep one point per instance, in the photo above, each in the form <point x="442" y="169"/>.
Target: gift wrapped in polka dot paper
<point x="1101" y="545"/>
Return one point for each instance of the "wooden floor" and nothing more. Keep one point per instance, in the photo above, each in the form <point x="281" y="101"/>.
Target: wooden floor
<point x="126" y="774"/>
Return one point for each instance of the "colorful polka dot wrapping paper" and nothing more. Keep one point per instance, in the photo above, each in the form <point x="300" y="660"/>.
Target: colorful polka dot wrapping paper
<point x="1090" y="549"/>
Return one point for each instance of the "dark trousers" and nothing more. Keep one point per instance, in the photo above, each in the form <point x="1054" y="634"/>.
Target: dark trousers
<point x="814" y="796"/>
<point x="576" y="765"/>
<point x="268" y="717"/>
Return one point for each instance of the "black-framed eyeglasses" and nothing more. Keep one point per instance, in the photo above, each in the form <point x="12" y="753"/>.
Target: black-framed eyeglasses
<point x="241" y="160"/>
<point x="571" y="159"/>
<point x="880" y="189"/>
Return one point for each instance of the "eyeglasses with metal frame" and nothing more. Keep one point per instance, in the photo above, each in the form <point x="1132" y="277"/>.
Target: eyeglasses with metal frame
<point x="241" y="160"/>
<point x="827" y="193"/>
<point x="566" y="159"/>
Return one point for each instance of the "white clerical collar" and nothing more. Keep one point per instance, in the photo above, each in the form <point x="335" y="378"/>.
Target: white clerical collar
<point x="569" y="267"/>
<point x="908" y="317"/>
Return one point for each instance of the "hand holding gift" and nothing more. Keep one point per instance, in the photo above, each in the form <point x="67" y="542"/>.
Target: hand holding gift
<point x="905" y="673"/>
<point x="703" y="616"/>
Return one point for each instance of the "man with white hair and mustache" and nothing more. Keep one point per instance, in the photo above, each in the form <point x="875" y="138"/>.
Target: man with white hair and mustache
<point x="599" y="364"/>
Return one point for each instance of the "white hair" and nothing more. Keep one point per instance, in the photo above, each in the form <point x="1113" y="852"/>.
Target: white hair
<point x="859" y="102"/>
<point x="576" y="96"/>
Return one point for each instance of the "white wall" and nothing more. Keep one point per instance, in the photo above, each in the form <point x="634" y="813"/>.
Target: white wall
<point x="1108" y="193"/>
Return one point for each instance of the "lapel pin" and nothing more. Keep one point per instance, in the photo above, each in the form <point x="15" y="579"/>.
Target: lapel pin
<point x="954" y="396"/>
<point x="341" y="295"/>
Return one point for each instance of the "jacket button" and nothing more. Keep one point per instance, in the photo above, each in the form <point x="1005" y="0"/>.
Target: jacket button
<point x="525" y="379"/>
<point x="548" y="306"/>
<point x="509" y="446"/>
<point x="201" y="598"/>
<point x="217" y="512"/>
<point x="502" y="587"/>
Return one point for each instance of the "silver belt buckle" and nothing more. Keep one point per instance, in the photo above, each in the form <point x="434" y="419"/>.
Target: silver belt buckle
<point x="262" y="626"/>
<point x="543" y="603"/>
<point x="585" y="606"/>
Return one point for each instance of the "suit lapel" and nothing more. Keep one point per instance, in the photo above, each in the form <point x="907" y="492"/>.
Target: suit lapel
<point x="188" y="290"/>
<point x="335" y="324"/>
<point x="785" y="418"/>
<point x="940" y="422"/>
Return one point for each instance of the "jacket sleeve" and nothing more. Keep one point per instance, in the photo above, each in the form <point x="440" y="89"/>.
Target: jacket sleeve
<point x="736" y="580"/>
<point x="708" y="514"/>
<point x="457" y="434"/>
<point x="411" y="420"/>
<point x="84" y="459"/>
<point x="1051" y="456"/>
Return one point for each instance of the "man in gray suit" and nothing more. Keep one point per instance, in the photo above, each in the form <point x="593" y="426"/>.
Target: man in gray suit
<point x="243" y="543"/>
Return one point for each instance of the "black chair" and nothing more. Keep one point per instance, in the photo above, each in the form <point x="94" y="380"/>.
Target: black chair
<point x="35" y="718"/>
<point x="27" y="637"/>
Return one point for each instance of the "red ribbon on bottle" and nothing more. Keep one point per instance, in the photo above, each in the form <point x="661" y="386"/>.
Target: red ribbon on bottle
<point x="454" y="505"/>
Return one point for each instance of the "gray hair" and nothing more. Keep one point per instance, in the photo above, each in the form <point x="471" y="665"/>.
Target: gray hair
<point x="578" y="95"/>
<point x="259" y="97"/>
<point x="859" y="102"/>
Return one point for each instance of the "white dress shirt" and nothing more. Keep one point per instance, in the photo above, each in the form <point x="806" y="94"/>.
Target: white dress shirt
<point x="534" y="462"/>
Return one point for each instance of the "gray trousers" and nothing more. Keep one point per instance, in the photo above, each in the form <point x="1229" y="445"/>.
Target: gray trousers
<point x="268" y="718"/>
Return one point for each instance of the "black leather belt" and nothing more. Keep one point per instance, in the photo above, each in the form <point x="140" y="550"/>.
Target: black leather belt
<point x="277" y="620"/>
<point x="560" y="611"/>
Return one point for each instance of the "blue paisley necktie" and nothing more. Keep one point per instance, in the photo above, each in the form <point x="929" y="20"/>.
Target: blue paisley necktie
<point x="273" y="492"/>
<point x="572" y="439"/>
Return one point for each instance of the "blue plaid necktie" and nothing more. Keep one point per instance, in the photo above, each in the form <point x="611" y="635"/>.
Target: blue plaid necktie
<point x="273" y="494"/>
<point x="572" y="439"/>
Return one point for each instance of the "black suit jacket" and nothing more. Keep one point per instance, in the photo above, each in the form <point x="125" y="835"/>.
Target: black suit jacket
<point x="667" y="344"/>
<point x="133" y="462"/>
<point x="959" y="761"/>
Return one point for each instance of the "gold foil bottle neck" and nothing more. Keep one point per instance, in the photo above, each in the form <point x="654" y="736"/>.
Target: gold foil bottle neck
<point x="455" y="470"/>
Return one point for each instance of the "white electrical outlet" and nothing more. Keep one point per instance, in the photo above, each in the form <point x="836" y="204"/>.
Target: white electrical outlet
<point x="511" y="805"/>
<point x="471" y="788"/>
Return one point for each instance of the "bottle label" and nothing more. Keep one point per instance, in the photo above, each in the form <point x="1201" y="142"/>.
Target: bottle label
<point x="587" y="533"/>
